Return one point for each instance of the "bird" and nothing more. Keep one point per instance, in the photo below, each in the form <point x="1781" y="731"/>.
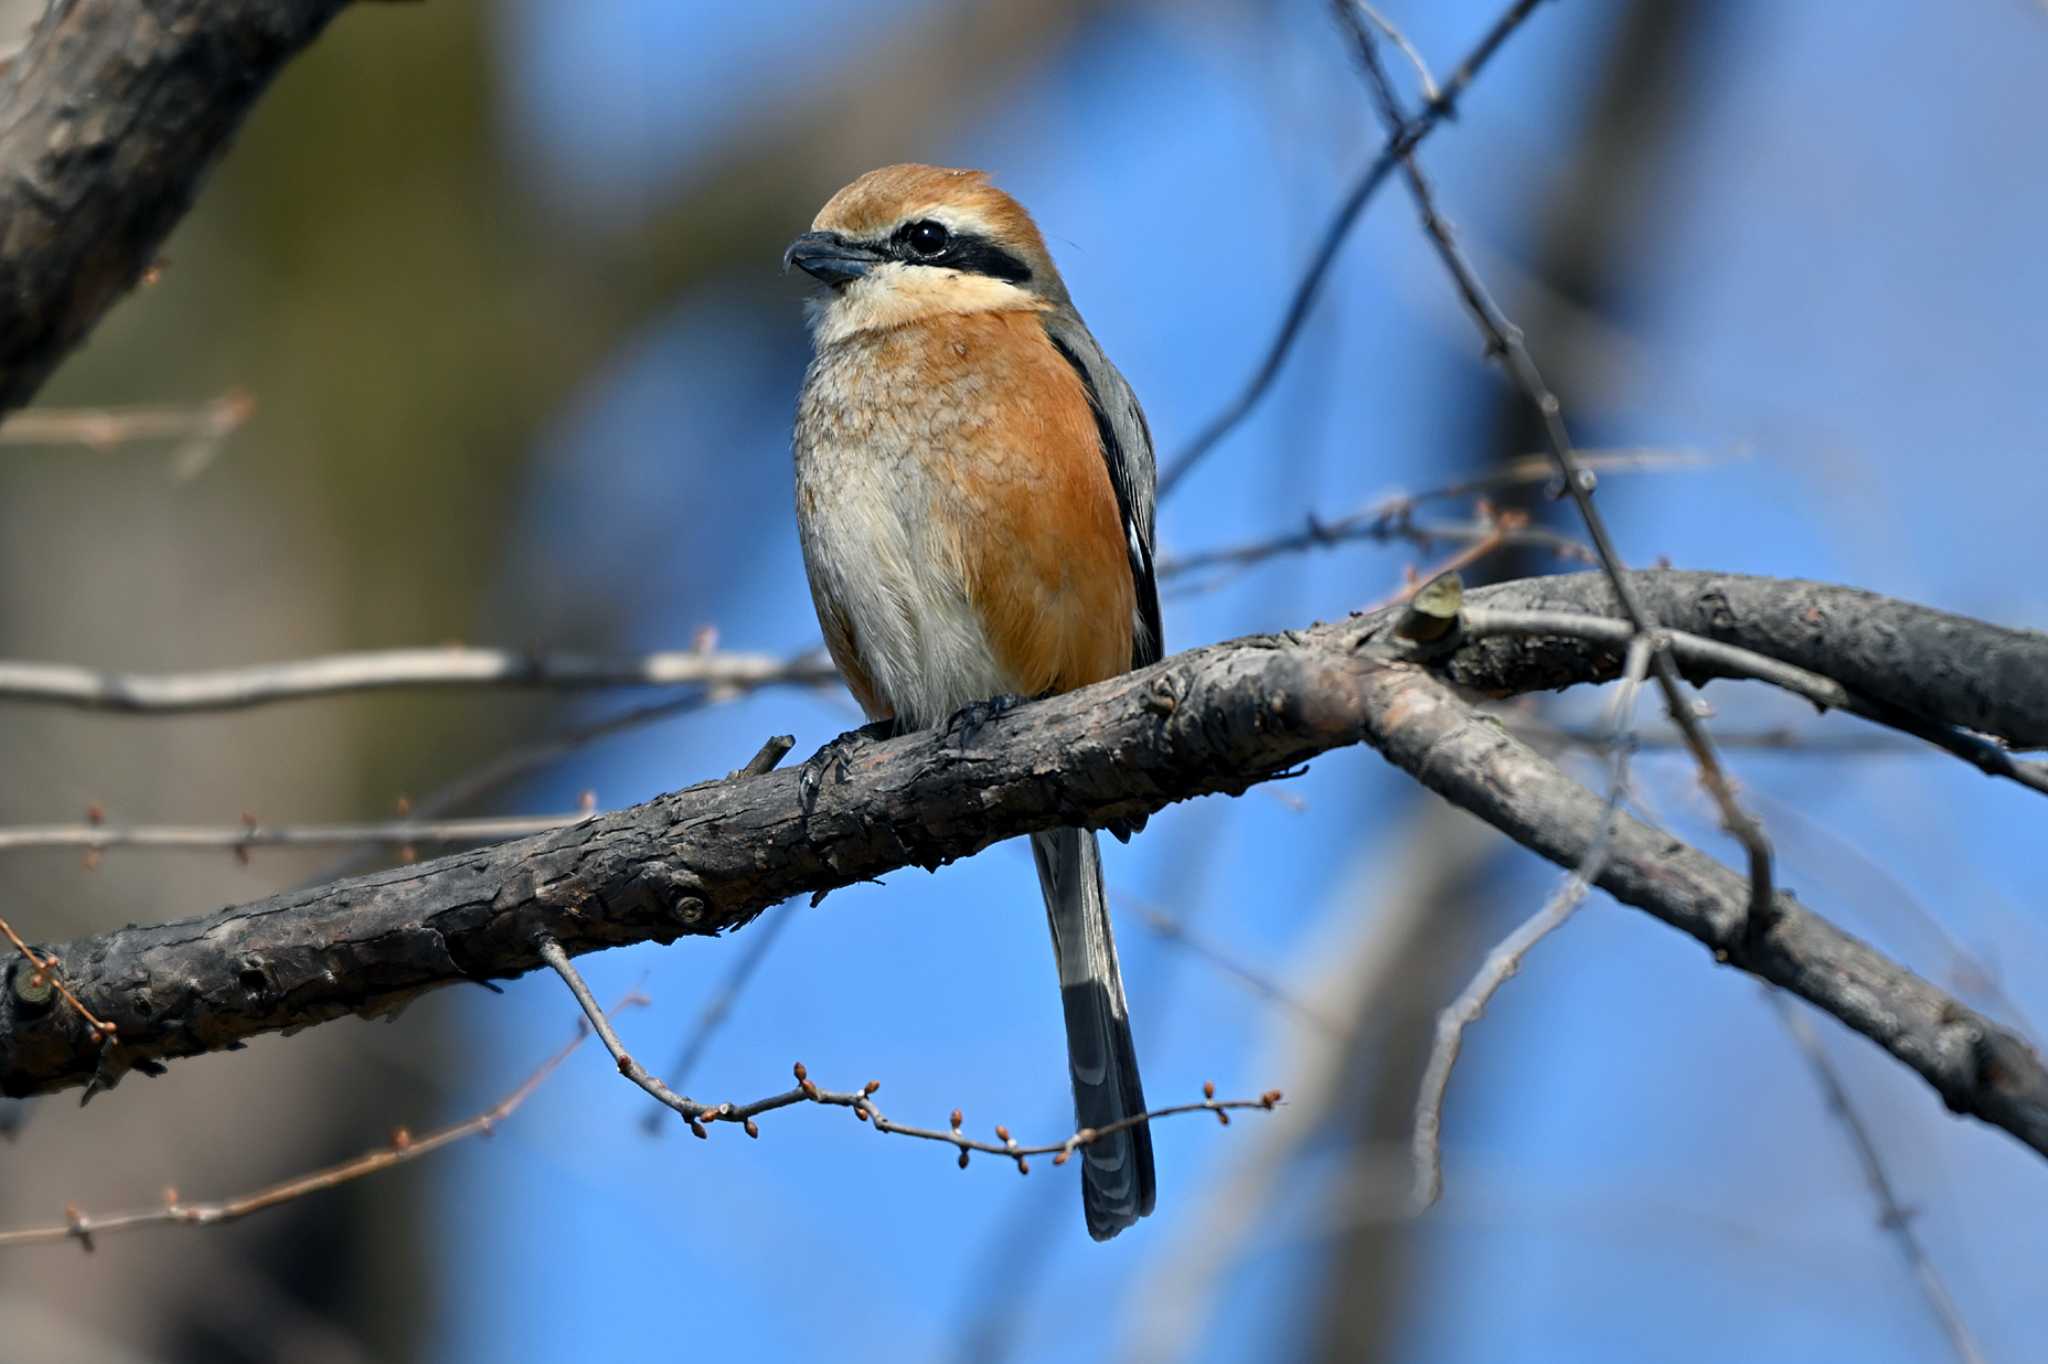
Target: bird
<point x="975" y="502"/>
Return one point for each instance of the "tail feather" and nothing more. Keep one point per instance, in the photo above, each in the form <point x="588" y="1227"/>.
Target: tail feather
<point x="1117" y="1185"/>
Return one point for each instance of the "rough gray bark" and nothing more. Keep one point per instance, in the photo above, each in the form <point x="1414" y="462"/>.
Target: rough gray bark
<point x="1217" y="719"/>
<point x="108" y="120"/>
<point x="1935" y="665"/>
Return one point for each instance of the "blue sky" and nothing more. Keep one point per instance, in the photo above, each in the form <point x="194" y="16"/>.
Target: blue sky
<point x="1843" y="288"/>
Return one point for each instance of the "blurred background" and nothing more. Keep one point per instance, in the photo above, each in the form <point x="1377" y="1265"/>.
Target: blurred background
<point x="501" y="279"/>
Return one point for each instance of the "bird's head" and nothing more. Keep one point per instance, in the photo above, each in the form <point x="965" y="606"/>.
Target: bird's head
<point x="905" y="243"/>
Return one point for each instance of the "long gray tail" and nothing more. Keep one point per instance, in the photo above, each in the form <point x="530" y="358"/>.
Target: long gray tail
<point x="1116" y="1172"/>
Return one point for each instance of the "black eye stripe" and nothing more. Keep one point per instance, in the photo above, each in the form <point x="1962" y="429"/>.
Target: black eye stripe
<point x="979" y="256"/>
<point x="968" y="252"/>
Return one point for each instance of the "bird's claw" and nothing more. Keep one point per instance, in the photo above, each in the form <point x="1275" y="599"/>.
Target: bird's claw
<point x="965" y="723"/>
<point x="832" y="759"/>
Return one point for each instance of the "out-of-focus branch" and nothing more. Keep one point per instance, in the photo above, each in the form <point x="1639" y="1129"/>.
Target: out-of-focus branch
<point x="1393" y="518"/>
<point x="1407" y="48"/>
<point x="109" y="118"/>
<point x="1713" y="658"/>
<point x="82" y="1227"/>
<point x="1426" y="1147"/>
<point x="1930" y="663"/>
<point x="1774" y="739"/>
<point x="1383" y="530"/>
<point x="700" y="1116"/>
<point x="103" y="428"/>
<point x="1399" y="143"/>
<point x="1217" y="719"/>
<point x="1171" y="930"/>
<point x="1504" y="342"/>
<point x="252" y="834"/>
<point x="1893" y="1216"/>
<point x="401" y="669"/>
<point x="199" y="430"/>
<point x="724" y="674"/>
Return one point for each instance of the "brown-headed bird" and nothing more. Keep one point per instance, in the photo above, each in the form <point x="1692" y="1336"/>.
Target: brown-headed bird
<point x="974" y="489"/>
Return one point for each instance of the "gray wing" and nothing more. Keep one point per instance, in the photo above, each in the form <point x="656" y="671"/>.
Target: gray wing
<point x="1127" y="449"/>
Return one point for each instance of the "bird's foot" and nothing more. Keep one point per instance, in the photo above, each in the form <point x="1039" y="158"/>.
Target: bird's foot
<point x="831" y="761"/>
<point x="966" y="723"/>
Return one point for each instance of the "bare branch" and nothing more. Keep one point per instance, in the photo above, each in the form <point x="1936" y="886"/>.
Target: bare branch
<point x="1893" y="1216"/>
<point x="1171" y="930"/>
<point x="727" y="674"/>
<point x="96" y="835"/>
<point x="401" y="669"/>
<point x="1505" y="524"/>
<point x="108" y="120"/>
<point x="1726" y="660"/>
<point x="1400" y="41"/>
<point x="1398" y="144"/>
<point x="1504" y="342"/>
<point x="1506" y="959"/>
<point x="1393" y="518"/>
<point x="1224" y="564"/>
<point x="700" y="1116"/>
<point x="199" y="430"/>
<point x="1930" y="663"/>
<point x="104" y="428"/>
<point x="1217" y="719"/>
<point x="43" y="980"/>
<point x="82" y="1227"/>
<point x="395" y="833"/>
<point x="713" y="1014"/>
<point x="1775" y="739"/>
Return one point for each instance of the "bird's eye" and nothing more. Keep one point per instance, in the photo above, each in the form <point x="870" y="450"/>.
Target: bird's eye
<point x="926" y="238"/>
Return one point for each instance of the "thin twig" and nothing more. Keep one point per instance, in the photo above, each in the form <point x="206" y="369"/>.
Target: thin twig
<point x="759" y="944"/>
<point x="454" y="666"/>
<point x="95" y="835"/>
<point x="507" y="767"/>
<point x="1506" y="958"/>
<point x="1966" y="970"/>
<point x="83" y="1227"/>
<point x="1400" y="41"/>
<point x="719" y="1007"/>
<point x="1893" y="1216"/>
<point x="1505" y="525"/>
<point x="1172" y="930"/>
<point x="766" y="758"/>
<point x="1775" y="739"/>
<point x="1393" y="518"/>
<point x="1398" y="144"/>
<point x="200" y="428"/>
<point x="700" y="1116"/>
<point x="396" y="833"/>
<point x="44" y="974"/>
<point x="1523" y="470"/>
<point x="1504" y="342"/>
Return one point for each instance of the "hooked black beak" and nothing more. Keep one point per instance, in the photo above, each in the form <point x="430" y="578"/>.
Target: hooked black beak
<point x="830" y="257"/>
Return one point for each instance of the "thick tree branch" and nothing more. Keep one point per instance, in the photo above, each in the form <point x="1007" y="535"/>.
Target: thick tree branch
<point x="108" y="120"/>
<point x="1217" y="719"/>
